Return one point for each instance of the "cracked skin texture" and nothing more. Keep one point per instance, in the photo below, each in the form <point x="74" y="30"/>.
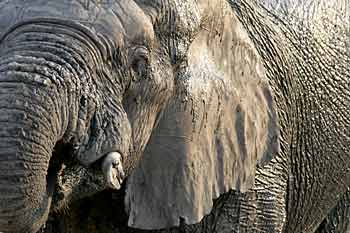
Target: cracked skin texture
<point x="211" y="48"/>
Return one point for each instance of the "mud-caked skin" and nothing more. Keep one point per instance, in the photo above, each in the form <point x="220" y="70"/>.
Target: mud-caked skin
<point x="191" y="100"/>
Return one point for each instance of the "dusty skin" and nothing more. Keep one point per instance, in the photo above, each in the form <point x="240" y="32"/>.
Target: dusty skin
<point x="189" y="116"/>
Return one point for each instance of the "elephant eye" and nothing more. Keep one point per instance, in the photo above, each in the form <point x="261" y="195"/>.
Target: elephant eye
<point x="140" y="61"/>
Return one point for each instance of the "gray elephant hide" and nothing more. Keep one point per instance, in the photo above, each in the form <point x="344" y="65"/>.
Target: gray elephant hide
<point x="220" y="124"/>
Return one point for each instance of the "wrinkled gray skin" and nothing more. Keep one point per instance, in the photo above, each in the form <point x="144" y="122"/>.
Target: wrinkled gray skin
<point x="338" y="219"/>
<point x="192" y="96"/>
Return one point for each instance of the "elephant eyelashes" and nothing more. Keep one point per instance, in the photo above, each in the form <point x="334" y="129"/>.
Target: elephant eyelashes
<point x="140" y="61"/>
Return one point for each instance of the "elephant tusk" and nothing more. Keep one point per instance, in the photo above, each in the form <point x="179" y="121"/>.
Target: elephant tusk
<point x="112" y="169"/>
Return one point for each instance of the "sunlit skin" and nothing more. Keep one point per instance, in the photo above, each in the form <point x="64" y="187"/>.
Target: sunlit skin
<point x="230" y="115"/>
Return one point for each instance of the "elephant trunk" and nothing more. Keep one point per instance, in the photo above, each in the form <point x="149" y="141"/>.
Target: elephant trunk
<point x="28" y="133"/>
<point x="33" y="117"/>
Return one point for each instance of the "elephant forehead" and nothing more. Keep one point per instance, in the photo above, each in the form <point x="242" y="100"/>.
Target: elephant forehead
<point x="118" y="19"/>
<point x="18" y="10"/>
<point x="136" y="25"/>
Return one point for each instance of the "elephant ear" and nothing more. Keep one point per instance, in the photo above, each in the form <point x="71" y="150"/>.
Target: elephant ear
<point x="220" y="125"/>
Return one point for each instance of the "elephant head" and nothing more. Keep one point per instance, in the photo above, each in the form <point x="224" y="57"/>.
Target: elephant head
<point x="171" y="93"/>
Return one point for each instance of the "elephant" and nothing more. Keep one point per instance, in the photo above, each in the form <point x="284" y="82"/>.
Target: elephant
<point x="338" y="219"/>
<point x="212" y="116"/>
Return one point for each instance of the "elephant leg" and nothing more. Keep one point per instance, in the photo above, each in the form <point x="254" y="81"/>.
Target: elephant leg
<point x="100" y="213"/>
<point x="338" y="220"/>
<point x="69" y="221"/>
